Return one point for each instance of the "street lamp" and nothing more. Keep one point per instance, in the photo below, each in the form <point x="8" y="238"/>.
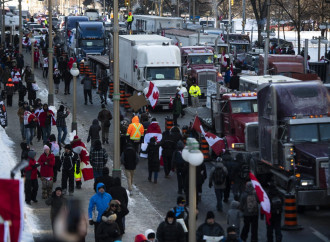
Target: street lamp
<point x="74" y="72"/>
<point x="194" y="156"/>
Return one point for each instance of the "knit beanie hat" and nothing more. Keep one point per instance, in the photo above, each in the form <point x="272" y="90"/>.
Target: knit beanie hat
<point x="170" y="214"/>
<point x="58" y="189"/>
<point x="209" y="215"/>
<point x="140" y="238"/>
<point x="46" y="147"/>
<point x="32" y="154"/>
<point x="76" y="137"/>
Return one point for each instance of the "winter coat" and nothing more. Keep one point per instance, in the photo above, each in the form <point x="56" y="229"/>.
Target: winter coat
<point x="107" y="232"/>
<point x="167" y="144"/>
<point x="119" y="193"/>
<point x="43" y="116"/>
<point x="209" y="230"/>
<point x="106" y="180"/>
<point x="56" y="204"/>
<point x="6" y="75"/>
<point x="104" y="116"/>
<point x="32" y="94"/>
<point x="153" y="157"/>
<point x="100" y="201"/>
<point x="69" y="160"/>
<point x="25" y="151"/>
<point x="175" y="134"/>
<point x="104" y="84"/>
<point x="177" y="106"/>
<point x="234" y="215"/>
<point x="94" y="131"/>
<point x="46" y="165"/>
<point x="67" y="76"/>
<point x="211" y="178"/>
<point x="170" y="232"/>
<point x="87" y="81"/>
<point x="31" y="171"/>
<point x="57" y="77"/>
<point x="60" y="119"/>
<point x="21" y="89"/>
<point x="121" y="212"/>
<point x="178" y="161"/>
<point x="129" y="158"/>
<point x="98" y="157"/>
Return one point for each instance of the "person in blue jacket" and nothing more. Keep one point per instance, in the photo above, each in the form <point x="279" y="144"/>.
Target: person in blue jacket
<point x="100" y="201"/>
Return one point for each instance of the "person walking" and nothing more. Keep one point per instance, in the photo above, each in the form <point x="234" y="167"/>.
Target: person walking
<point x="36" y="57"/>
<point x="21" y="92"/>
<point x="47" y="163"/>
<point x="105" y="117"/>
<point x="177" y="108"/>
<point x="120" y="210"/>
<point x="170" y="230"/>
<point x="181" y="211"/>
<point x="32" y="93"/>
<point x="129" y="21"/>
<point x="169" y="147"/>
<point x="230" y="165"/>
<point x="94" y="132"/>
<point x="10" y="89"/>
<point x="98" y="158"/>
<point x="135" y="132"/>
<point x="108" y="230"/>
<point x="234" y="215"/>
<point x="57" y="79"/>
<point x="30" y="123"/>
<point x="46" y="120"/>
<point x="249" y="207"/>
<point x="62" y="114"/>
<point x="55" y="149"/>
<point x="55" y="201"/>
<point x="129" y="158"/>
<point x="217" y="178"/>
<point x="31" y="179"/>
<point x="67" y="80"/>
<point x="20" y="114"/>
<point x="276" y="209"/>
<point x="45" y="67"/>
<point x="153" y="159"/>
<point x="118" y="192"/>
<point x="178" y="165"/>
<point x="69" y="160"/>
<point x="103" y="89"/>
<point x="194" y="92"/>
<point x="87" y="81"/>
<point x="209" y="228"/>
<point x="105" y="179"/>
<point x="98" y="204"/>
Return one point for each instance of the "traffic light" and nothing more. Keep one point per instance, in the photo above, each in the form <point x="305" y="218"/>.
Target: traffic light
<point x="232" y="2"/>
<point x="127" y="3"/>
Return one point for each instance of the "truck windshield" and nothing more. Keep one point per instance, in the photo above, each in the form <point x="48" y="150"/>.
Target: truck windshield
<point x="163" y="73"/>
<point x="200" y="59"/>
<point x="310" y="132"/>
<point x="92" y="43"/>
<point x="244" y="106"/>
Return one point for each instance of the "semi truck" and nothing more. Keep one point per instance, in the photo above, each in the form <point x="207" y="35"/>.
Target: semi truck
<point x="146" y="58"/>
<point x="89" y="39"/>
<point x="155" y="24"/>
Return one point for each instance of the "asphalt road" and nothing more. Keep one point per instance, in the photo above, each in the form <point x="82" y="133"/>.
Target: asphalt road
<point x="150" y="202"/>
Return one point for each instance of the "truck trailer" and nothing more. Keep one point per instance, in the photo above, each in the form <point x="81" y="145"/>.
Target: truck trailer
<point x="146" y="58"/>
<point x="155" y="24"/>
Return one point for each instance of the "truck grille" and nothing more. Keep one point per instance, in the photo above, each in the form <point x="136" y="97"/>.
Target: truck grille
<point x="167" y="90"/>
<point x="251" y="137"/>
<point x="204" y="77"/>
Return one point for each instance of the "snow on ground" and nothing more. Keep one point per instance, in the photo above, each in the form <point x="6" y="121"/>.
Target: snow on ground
<point x="7" y="163"/>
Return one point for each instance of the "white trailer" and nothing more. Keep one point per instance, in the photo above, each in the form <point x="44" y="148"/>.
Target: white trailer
<point x="154" y="24"/>
<point x="145" y="58"/>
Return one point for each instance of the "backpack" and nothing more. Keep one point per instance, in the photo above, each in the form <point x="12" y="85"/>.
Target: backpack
<point x="276" y="205"/>
<point x="219" y="176"/>
<point x="252" y="204"/>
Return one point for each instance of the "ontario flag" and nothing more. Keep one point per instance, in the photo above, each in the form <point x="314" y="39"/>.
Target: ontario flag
<point x="231" y="70"/>
<point x="217" y="144"/>
<point x="152" y="95"/>
<point x="262" y="197"/>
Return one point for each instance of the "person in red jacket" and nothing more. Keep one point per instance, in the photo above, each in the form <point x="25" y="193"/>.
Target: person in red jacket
<point x="46" y="120"/>
<point x="31" y="178"/>
<point x="36" y="58"/>
<point x="47" y="162"/>
<point x="71" y="61"/>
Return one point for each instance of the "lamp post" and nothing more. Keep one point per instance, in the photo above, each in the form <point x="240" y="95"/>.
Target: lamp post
<point x="20" y="32"/>
<point x="74" y="72"/>
<point x="50" y="56"/>
<point x="194" y="156"/>
<point x="325" y="27"/>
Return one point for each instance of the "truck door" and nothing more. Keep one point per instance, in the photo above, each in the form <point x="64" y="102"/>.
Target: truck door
<point x="225" y="115"/>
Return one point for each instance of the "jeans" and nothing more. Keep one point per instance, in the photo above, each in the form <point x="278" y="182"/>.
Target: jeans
<point x="28" y="135"/>
<point x="31" y="189"/>
<point x="89" y="93"/>
<point x="219" y="195"/>
<point x="195" y="102"/>
<point x="180" y="178"/>
<point x="155" y="175"/>
<point x="275" y="224"/>
<point x="253" y="222"/>
<point x="22" y="130"/>
<point x="103" y="96"/>
<point x="97" y="174"/>
<point x="61" y="138"/>
<point x="46" y="130"/>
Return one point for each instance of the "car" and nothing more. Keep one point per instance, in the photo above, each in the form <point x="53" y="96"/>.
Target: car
<point x="283" y="43"/>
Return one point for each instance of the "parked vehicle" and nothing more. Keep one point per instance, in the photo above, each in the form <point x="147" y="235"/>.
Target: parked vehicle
<point x="154" y="24"/>
<point x="92" y="14"/>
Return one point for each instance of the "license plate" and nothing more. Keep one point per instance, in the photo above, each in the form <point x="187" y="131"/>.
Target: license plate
<point x="324" y="165"/>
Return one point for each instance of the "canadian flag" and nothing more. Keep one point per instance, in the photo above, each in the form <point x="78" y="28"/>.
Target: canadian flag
<point x="153" y="130"/>
<point x="217" y="144"/>
<point x="170" y="105"/>
<point x="181" y="97"/>
<point x="223" y="59"/>
<point x="262" y="197"/>
<point x="231" y="70"/>
<point x="153" y="95"/>
<point x="222" y="38"/>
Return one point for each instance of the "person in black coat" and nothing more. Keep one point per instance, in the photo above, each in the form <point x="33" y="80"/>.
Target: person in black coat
<point x="94" y="132"/>
<point x="118" y="192"/>
<point x="57" y="79"/>
<point x="56" y="201"/>
<point x="170" y="230"/>
<point x="115" y="207"/>
<point x="21" y="92"/>
<point x="24" y="154"/>
<point x="103" y="89"/>
<point x="153" y="159"/>
<point x="105" y="179"/>
<point x="169" y="147"/>
<point x="228" y="162"/>
<point x="178" y="165"/>
<point x="209" y="228"/>
<point x="32" y="95"/>
<point x="66" y="75"/>
<point x="108" y="230"/>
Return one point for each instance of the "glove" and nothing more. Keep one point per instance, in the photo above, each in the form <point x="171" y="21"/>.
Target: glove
<point x="36" y="165"/>
<point x="210" y="185"/>
<point x="91" y="222"/>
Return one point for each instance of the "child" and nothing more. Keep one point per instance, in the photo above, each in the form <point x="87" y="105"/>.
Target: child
<point x="31" y="179"/>
<point x="153" y="159"/>
<point x="234" y="215"/>
<point x="56" y="201"/>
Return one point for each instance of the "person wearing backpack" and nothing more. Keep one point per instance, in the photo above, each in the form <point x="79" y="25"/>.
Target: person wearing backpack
<point x="178" y="164"/>
<point x="249" y="207"/>
<point x="276" y="208"/>
<point x="217" y="178"/>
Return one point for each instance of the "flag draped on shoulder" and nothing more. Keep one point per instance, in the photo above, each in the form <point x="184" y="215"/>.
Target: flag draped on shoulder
<point x="153" y="131"/>
<point x="262" y="197"/>
<point x="217" y="144"/>
<point x="79" y="147"/>
<point x="152" y="95"/>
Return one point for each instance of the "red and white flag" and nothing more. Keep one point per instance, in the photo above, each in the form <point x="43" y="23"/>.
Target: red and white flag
<point x="217" y="144"/>
<point x="223" y="59"/>
<point x="222" y="38"/>
<point x="11" y="207"/>
<point x="231" y="70"/>
<point x="153" y="130"/>
<point x="262" y="197"/>
<point x="181" y="97"/>
<point x="170" y="105"/>
<point x="153" y="95"/>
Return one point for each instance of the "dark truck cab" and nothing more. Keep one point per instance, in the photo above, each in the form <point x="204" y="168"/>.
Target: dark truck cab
<point x="294" y="138"/>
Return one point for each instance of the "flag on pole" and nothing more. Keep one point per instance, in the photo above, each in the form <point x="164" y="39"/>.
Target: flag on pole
<point x="217" y="144"/>
<point x="153" y="95"/>
<point x="262" y="197"/>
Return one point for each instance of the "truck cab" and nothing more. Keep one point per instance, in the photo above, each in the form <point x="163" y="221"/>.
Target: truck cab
<point x="198" y="61"/>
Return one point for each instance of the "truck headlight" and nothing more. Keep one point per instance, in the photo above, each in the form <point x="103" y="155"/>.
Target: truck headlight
<point x="306" y="182"/>
<point x="238" y="145"/>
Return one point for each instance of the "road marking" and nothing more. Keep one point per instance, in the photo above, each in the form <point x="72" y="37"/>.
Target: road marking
<point x="319" y="235"/>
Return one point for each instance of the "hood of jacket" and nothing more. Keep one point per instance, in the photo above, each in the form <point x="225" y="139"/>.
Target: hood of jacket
<point x="148" y="232"/>
<point x="98" y="187"/>
<point x="234" y="205"/>
<point x="219" y="165"/>
<point x="135" y="119"/>
<point x="95" y="122"/>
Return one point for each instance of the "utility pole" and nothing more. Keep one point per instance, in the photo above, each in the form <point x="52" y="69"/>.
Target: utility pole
<point x="178" y="8"/>
<point x="267" y="40"/>
<point x="116" y="95"/>
<point x="3" y="23"/>
<point x="194" y="9"/>
<point x="50" y="56"/>
<point x="243" y="16"/>
<point x="229" y="15"/>
<point x="20" y="32"/>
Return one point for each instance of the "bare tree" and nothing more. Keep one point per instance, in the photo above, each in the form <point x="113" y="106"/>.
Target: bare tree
<point x="260" y="13"/>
